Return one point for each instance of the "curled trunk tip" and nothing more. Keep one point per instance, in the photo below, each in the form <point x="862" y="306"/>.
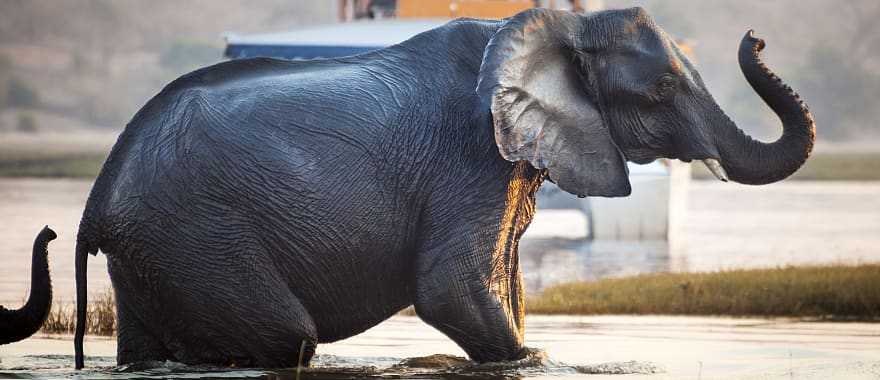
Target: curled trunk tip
<point x="749" y="161"/>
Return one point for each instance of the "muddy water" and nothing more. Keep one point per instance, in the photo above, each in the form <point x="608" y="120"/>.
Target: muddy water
<point x="642" y="347"/>
<point x="726" y="226"/>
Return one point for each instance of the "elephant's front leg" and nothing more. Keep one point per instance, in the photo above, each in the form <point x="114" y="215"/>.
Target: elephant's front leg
<point x="474" y="296"/>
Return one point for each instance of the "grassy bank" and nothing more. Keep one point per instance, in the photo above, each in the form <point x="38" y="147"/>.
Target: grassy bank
<point x="847" y="292"/>
<point x="836" y="166"/>
<point x="75" y="155"/>
<point x="66" y="166"/>
<point x="825" y="292"/>
<point x="100" y="318"/>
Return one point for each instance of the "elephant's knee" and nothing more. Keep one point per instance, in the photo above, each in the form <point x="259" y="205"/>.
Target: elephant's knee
<point x="433" y="310"/>
<point x="484" y="334"/>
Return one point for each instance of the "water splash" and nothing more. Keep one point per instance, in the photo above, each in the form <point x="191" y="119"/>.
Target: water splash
<point x="536" y="364"/>
<point x="621" y="368"/>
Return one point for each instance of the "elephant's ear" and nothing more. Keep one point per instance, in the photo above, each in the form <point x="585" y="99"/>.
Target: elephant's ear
<point x="540" y="108"/>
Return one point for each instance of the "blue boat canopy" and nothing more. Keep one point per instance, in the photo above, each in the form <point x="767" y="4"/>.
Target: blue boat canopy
<point x="327" y="41"/>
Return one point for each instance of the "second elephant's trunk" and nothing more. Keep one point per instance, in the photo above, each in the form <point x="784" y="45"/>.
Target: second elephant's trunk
<point x="16" y="325"/>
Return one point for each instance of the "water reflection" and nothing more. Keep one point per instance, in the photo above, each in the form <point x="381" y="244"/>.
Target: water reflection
<point x="549" y="261"/>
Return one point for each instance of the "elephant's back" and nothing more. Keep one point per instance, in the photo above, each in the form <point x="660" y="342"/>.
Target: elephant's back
<point x="272" y="111"/>
<point x="251" y="144"/>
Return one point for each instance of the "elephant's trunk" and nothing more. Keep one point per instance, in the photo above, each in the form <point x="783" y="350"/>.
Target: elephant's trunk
<point x="19" y="324"/>
<point x="753" y="162"/>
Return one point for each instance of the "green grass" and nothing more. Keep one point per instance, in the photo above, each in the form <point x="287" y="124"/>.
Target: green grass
<point x="837" y="166"/>
<point x="77" y="155"/>
<point x="830" y="292"/>
<point x="71" y="166"/>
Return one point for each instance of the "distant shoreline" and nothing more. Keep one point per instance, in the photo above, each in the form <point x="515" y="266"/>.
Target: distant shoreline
<point x="827" y="165"/>
<point x="72" y="154"/>
<point x="80" y="154"/>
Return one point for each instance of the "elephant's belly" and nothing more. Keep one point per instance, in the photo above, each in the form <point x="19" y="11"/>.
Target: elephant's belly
<point x="346" y="292"/>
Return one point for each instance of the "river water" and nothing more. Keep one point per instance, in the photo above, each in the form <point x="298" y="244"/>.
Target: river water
<point x="596" y="347"/>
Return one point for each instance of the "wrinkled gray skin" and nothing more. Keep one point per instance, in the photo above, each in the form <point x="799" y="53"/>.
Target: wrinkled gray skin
<point x="19" y="324"/>
<point x="258" y="206"/>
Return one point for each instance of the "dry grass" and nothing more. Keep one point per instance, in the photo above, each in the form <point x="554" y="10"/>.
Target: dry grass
<point x="100" y="319"/>
<point x="833" y="292"/>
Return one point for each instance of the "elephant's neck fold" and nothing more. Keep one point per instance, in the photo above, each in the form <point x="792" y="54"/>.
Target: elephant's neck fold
<point x="505" y="279"/>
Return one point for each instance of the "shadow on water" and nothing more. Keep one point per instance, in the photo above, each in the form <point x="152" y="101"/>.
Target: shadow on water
<point x="535" y="364"/>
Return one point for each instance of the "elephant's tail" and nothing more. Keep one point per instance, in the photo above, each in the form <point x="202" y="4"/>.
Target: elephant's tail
<point x="89" y="240"/>
<point x="82" y="254"/>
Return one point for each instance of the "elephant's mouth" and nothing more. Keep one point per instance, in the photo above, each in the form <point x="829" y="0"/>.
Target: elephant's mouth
<point x="641" y="156"/>
<point x="714" y="165"/>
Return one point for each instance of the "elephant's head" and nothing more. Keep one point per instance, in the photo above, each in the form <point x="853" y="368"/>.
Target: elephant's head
<point x="580" y="95"/>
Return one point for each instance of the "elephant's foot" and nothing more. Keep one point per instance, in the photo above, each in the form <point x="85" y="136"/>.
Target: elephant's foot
<point x="433" y="361"/>
<point x="528" y="358"/>
<point x="531" y="357"/>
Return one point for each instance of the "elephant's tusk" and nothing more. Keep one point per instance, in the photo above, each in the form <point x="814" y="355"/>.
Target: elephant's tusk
<point x="716" y="169"/>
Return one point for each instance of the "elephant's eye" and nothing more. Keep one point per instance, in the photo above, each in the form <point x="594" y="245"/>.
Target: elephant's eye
<point x="665" y="86"/>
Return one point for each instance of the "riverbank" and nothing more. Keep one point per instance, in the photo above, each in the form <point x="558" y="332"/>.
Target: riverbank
<point x="821" y="292"/>
<point x="77" y="154"/>
<point x="825" y="166"/>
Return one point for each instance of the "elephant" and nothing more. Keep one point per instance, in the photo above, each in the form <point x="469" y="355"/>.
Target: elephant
<point x="19" y="324"/>
<point x="258" y="207"/>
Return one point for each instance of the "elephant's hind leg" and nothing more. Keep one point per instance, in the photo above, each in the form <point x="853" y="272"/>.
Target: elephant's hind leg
<point x="275" y="330"/>
<point x="244" y="316"/>
<point x="135" y="343"/>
